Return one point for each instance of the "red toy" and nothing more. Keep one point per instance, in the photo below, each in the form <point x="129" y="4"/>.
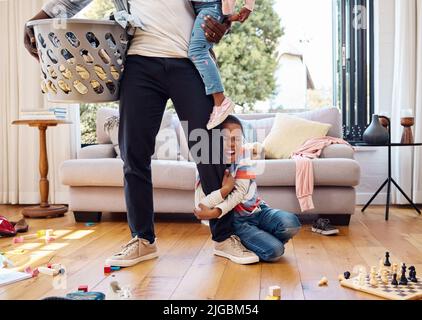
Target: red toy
<point x="107" y="269"/>
<point x="83" y="288"/>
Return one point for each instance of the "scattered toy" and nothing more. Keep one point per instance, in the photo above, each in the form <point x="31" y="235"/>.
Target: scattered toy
<point x="80" y="295"/>
<point x="90" y="224"/>
<point x="48" y="271"/>
<point x="274" y="293"/>
<point x="18" y="240"/>
<point x="107" y="269"/>
<point x="323" y="282"/>
<point x="115" y="268"/>
<point x="83" y="288"/>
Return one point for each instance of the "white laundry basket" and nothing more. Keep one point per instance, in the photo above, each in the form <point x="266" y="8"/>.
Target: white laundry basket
<point x="81" y="60"/>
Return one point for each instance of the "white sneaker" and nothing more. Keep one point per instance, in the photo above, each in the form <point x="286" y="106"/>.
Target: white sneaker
<point x="135" y="251"/>
<point x="233" y="249"/>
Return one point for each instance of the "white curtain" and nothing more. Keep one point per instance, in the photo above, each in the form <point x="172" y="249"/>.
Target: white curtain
<point x="407" y="94"/>
<point x="20" y="90"/>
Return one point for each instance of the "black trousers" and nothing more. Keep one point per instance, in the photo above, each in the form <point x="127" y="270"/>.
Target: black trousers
<point x="146" y="86"/>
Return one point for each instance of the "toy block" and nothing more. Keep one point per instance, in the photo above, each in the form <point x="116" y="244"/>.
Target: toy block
<point x="83" y="288"/>
<point x="107" y="269"/>
<point x="114" y="268"/>
<point x="18" y="240"/>
<point x="274" y="291"/>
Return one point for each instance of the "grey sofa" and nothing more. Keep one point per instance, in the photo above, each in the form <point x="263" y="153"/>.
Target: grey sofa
<point x="95" y="178"/>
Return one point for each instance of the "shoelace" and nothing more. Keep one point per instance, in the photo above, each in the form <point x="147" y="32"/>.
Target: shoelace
<point x="129" y="247"/>
<point x="323" y="223"/>
<point x="237" y="245"/>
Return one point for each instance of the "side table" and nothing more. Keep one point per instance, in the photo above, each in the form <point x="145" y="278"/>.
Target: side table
<point x="44" y="209"/>
<point x="390" y="179"/>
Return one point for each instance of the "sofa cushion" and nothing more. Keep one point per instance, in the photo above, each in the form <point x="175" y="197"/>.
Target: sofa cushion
<point x="181" y="175"/>
<point x="327" y="172"/>
<point x="289" y="133"/>
<point x="166" y="174"/>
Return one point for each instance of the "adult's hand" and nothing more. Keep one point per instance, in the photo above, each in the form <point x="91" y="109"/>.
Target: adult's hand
<point x="214" y="30"/>
<point x="29" y="38"/>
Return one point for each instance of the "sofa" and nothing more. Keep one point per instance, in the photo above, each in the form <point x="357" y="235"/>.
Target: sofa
<point x="95" y="178"/>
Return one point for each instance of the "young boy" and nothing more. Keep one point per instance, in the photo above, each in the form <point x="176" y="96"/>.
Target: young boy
<point x="199" y="51"/>
<point x="260" y="228"/>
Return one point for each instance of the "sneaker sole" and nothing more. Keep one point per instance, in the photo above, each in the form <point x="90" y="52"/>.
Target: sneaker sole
<point x="130" y="263"/>
<point x="237" y="260"/>
<point x="325" y="233"/>
<point x="221" y="119"/>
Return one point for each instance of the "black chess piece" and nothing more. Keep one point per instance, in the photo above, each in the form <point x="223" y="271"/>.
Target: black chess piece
<point x="347" y="275"/>
<point x="403" y="279"/>
<point x="394" y="281"/>
<point x="387" y="262"/>
<point x="412" y="274"/>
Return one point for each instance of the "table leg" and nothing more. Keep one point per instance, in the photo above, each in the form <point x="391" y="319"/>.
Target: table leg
<point x="406" y="196"/>
<point x="43" y="166"/>
<point x="44" y="210"/>
<point x="374" y="196"/>
<point x="387" y="206"/>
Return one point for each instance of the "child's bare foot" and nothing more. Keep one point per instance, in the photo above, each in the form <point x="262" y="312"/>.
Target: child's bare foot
<point x="220" y="113"/>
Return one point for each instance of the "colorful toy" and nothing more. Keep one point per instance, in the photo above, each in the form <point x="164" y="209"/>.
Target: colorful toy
<point x="107" y="269"/>
<point x="83" y="288"/>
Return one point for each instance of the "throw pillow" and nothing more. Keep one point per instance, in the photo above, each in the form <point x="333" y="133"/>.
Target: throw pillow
<point x="166" y="144"/>
<point x="289" y="133"/>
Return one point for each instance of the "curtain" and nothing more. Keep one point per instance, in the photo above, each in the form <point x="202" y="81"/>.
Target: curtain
<point x="407" y="95"/>
<point x="19" y="91"/>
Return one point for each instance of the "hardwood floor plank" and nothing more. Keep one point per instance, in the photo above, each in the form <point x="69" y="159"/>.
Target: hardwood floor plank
<point x="187" y="269"/>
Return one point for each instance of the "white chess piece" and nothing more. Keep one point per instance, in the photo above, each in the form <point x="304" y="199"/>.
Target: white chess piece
<point x="373" y="279"/>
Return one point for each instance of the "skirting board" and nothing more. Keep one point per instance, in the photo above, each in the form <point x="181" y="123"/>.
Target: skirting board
<point x="363" y="198"/>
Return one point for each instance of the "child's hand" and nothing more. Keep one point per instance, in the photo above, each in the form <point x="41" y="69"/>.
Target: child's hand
<point x="227" y="185"/>
<point x="205" y="213"/>
<point x="242" y="16"/>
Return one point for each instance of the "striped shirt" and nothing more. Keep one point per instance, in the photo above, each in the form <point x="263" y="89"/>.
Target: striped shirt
<point x="243" y="200"/>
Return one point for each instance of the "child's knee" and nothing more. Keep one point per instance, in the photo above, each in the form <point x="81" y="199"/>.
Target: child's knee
<point x="272" y="254"/>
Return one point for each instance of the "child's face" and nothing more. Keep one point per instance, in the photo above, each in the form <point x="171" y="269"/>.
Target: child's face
<point x="233" y="141"/>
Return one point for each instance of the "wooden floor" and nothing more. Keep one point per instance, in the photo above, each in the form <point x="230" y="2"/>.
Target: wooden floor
<point x="186" y="268"/>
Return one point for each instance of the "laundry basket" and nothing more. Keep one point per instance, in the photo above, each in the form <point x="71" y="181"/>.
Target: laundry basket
<point x="81" y="60"/>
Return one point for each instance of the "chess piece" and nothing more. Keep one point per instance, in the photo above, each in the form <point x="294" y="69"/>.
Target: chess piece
<point x="347" y="275"/>
<point x="387" y="262"/>
<point x="361" y="279"/>
<point x="380" y="267"/>
<point x="394" y="281"/>
<point x="395" y="268"/>
<point x="412" y="274"/>
<point x="384" y="276"/>
<point x="403" y="279"/>
<point x="373" y="280"/>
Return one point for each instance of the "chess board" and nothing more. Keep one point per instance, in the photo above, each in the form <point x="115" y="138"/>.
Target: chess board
<point x="413" y="291"/>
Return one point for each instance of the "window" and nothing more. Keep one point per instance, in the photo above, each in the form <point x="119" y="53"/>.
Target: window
<point x="355" y="60"/>
<point x="305" y="75"/>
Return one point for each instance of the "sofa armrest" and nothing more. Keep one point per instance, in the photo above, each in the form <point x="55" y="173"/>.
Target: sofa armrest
<point x="97" y="151"/>
<point x="338" y="151"/>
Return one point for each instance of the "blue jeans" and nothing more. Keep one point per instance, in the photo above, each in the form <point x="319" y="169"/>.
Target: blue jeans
<point x="199" y="47"/>
<point x="266" y="231"/>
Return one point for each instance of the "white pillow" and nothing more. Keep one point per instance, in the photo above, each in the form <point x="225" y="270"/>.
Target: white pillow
<point x="166" y="144"/>
<point x="289" y="133"/>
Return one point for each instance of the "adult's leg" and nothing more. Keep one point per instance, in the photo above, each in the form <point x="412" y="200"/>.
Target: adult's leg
<point x="193" y="107"/>
<point x="283" y="225"/>
<point x="266" y="246"/>
<point x="142" y="102"/>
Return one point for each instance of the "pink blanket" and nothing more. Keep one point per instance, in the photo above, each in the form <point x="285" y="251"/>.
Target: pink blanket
<point x="311" y="149"/>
